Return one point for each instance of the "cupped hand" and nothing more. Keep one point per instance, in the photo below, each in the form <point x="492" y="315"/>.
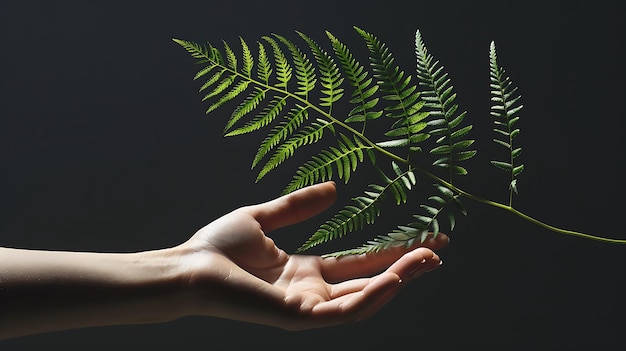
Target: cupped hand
<point x="235" y="271"/>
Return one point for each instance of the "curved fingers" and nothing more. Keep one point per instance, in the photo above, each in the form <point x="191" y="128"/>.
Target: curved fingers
<point x="359" y="299"/>
<point x="354" y="266"/>
<point x="357" y="305"/>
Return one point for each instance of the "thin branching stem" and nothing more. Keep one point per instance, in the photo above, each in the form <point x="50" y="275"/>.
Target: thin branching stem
<point x="517" y="212"/>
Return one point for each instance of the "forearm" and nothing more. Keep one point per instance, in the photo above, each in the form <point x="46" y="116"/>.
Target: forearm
<point x="43" y="291"/>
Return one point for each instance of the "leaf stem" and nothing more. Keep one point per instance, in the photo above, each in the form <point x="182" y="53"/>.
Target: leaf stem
<point x="519" y="213"/>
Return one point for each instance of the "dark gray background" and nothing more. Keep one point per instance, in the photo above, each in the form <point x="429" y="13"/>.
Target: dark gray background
<point x="105" y="147"/>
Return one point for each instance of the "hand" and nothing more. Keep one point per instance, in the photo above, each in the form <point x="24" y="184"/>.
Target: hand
<point x="235" y="271"/>
<point x="228" y="269"/>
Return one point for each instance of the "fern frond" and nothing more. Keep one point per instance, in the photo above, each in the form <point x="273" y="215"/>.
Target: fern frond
<point x="231" y="58"/>
<point x="226" y="76"/>
<point x="309" y="135"/>
<point x="220" y="87"/>
<point x="406" y="104"/>
<point x="267" y="116"/>
<point x="416" y="110"/>
<point x="365" y="208"/>
<point x="249" y="104"/>
<point x="351" y="218"/>
<point x="280" y="132"/>
<point x="212" y="80"/>
<point x="264" y="66"/>
<point x="504" y="110"/>
<point x="418" y="230"/>
<point x="283" y="68"/>
<point x="305" y="72"/>
<point x="239" y="88"/>
<point x="364" y="89"/>
<point x="451" y="147"/>
<point x="248" y="59"/>
<point x="330" y="76"/>
<point x="233" y="76"/>
<point x="344" y="159"/>
<point x="197" y="51"/>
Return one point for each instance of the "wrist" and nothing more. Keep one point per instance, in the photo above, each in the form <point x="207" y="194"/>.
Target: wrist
<point x="159" y="280"/>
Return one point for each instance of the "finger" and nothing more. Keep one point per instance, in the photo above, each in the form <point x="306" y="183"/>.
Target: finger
<point x="410" y="266"/>
<point x="295" y="207"/>
<point x="382" y="294"/>
<point x="354" y="266"/>
<point x="348" y="287"/>
<point x="359" y="299"/>
<point x="415" y="263"/>
<point x="357" y="305"/>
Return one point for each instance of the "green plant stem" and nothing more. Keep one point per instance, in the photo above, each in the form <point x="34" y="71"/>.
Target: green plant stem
<point x="519" y="213"/>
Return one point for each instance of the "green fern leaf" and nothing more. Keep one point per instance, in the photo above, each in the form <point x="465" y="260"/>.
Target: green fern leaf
<point x="264" y="67"/>
<point x="291" y="122"/>
<point x="233" y="93"/>
<point x="204" y="53"/>
<point x="344" y="158"/>
<point x="248" y="59"/>
<point x="398" y="89"/>
<point x="249" y="104"/>
<point x="352" y="218"/>
<point x="414" y="232"/>
<point x="504" y="110"/>
<point x="283" y="68"/>
<point x="310" y="135"/>
<point x="218" y="89"/>
<point x="330" y="76"/>
<point x="305" y="72"/>
<point x="440" y="100"/>
<point x="269" y="114"/>
<point x="364" y="89"/>
<point x="212" y="80"/>
<point x="231" y="58"/>
<point x="365" y="208"/>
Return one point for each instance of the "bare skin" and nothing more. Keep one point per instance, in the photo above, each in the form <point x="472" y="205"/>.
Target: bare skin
<point x="228" y="269"/>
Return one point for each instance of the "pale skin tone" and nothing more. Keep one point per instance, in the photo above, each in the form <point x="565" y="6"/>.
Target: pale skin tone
<point x="228" y="269"/>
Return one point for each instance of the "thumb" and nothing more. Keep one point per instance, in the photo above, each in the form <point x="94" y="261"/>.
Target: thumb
<point x="295" y="207"/>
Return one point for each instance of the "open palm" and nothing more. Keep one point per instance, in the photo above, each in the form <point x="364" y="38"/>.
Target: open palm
<point x="235" y="271"/>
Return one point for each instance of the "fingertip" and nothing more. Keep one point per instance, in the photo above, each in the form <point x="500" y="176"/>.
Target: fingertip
<point x="422" y="260"/>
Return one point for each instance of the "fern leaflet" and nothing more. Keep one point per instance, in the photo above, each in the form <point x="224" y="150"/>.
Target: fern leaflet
<point x="365" y="208"/>
<point x="397" y="86"/>
<point x="364" y="90"/>
<point x="330" y="76"/>
<point x="504" y="110"/>
<point x="440" y="99"/>
<point x="344" y="159"/>
<point x="311" y="134"/>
